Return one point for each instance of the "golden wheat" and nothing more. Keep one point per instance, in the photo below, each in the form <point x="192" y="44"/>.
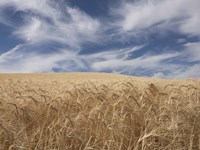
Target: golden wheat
<point x="99" y="115"/>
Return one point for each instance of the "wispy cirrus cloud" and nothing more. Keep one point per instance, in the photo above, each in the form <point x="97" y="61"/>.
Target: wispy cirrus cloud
<point x="52" y="18"/>
<point x="19" y="59"/>
<point x="192" y="52"/>
<point x="48" y="23"/>
<point x="145" y="64"/>
<point x="69" y="26"/>
<point x="182" y="14"/>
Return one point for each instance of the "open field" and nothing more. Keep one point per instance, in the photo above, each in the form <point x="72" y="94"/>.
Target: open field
<point x="88" y="111"/>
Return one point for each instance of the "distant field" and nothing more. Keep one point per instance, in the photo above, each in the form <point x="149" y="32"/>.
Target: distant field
<point x="86" y="111"/>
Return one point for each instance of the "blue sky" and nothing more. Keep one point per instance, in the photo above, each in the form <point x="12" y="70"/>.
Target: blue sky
<point x="153" y="38"/>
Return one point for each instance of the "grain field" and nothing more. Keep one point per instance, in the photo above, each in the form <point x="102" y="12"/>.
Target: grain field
<point x="91" y="111"/>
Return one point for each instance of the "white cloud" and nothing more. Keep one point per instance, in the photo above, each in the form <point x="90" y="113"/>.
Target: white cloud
<point x="192" y="52"/>
<point x="191" y="72"/>
<point x="120" y="61"/>
<point x="123" y="53"/>
<point x="184" y="72"/>
<point x="182" y="14"/>
<point x="33" y="6"/>
<point x="144" y="62"/>
<point x="163" y="65"/>
<point x="18" y="60"/>
<point x="33" y="30"/>
<point x="64" y="25"/>
<point x="191" y="25"/>
<point x="47" y="23"/>
<point x="159" y="75"/>
<point x="4" y="20"/>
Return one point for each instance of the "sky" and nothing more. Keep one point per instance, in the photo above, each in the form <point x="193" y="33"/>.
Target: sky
<point x="149" y="38"/>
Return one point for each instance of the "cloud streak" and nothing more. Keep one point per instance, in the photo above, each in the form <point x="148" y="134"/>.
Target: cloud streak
<point x="139" y="15"/>
<point x="19" y="60"/>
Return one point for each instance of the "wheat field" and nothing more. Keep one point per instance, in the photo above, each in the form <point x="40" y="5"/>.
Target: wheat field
<point x="91" y="111"/>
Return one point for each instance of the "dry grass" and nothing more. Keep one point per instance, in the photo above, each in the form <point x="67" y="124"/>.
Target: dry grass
<point x="99" y="114"/>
